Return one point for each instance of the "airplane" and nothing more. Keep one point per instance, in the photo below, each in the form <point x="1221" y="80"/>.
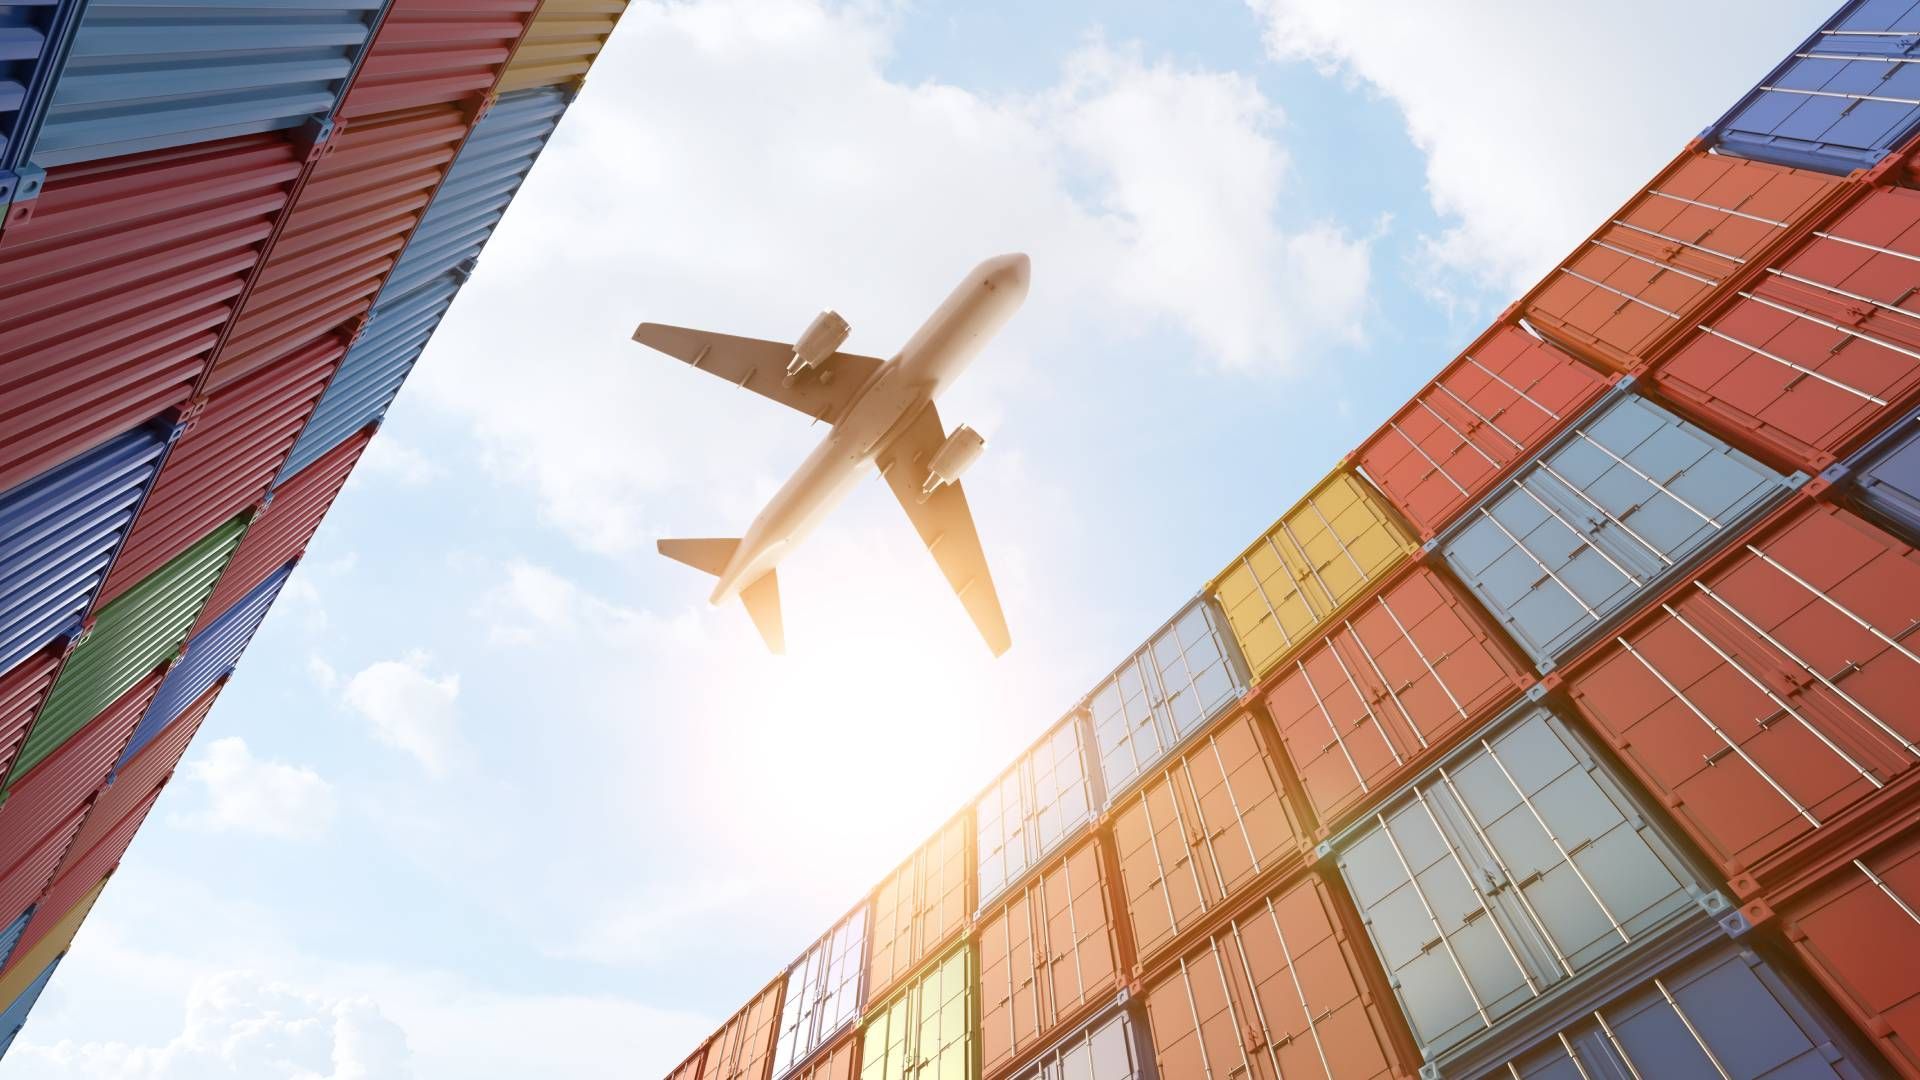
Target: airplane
<point x="880" y="411"/>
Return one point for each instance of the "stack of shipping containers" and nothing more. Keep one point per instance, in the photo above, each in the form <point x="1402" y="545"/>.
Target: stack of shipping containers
<point x="1566" y="729"/>
<point x="226" y="234"/>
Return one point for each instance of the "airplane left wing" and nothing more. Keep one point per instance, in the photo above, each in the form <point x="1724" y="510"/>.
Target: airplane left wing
<point x="945" y="525"/>
<point x="822" y="392"/>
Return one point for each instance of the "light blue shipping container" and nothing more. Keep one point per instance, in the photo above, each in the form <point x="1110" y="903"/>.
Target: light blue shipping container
<point x="60" y="531"/>
<point x="10" y="937"/>
<point x="1844" y="100"/>
<point x="15" y="1016"/>
<point x="211" y="656"/>
<point x="1612" y="509"/>
<point x="32" y="38"/>
<point x="1886" y="475"/>
<point x="1164" y="694"/>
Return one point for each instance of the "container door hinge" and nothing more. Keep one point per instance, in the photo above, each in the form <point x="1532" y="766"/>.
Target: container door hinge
<point x="19" y="188"/>
<point x="188" y="416"/>
<point x="314" y="138"/>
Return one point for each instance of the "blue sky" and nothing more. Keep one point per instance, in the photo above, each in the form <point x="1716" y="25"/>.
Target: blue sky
<point x="495" y="794"/>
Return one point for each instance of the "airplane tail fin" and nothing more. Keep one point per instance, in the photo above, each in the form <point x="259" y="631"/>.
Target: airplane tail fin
<point x="708" y="555"/>
<point x="762" y="597"/>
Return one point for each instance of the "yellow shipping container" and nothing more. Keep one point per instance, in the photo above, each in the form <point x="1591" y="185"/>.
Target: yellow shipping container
<point x="28" y="966"/>
<point x="562" y="43"/>
<point x="930" y="1029"/>
<point x="1322" y="555"/>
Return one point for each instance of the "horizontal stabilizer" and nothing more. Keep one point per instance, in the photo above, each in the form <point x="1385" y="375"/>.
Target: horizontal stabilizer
<point x="763" y="603"/>
<point x="710" y="555"/>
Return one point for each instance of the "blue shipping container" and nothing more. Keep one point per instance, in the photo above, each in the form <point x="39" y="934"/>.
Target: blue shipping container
<point x="59" y="533"/>
<point x="1844" y="100"/>
<point x="10" y="937"/>
<point x="15" y="1016"/>
<point x="32" y="33"/>
<point x="1887" y="475"/>
<point x="211" y="656"/>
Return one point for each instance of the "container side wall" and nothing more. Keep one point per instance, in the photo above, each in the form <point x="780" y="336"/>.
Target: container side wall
<point x="22" y="883"/>
<point x="211" y="657"/>
<point x="14" y="1018"/>
<point x="63" y="783"/>
<point x="563" y="42"/>
<point x="428" y="52"/>
<point x="34" y="32"/>
<point x="22" y="691"/>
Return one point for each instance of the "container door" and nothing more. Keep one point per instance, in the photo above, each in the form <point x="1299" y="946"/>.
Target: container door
<point x="1109" y="1049"/>
<point x="1890" y="487"/>
<point x="1849" y="931"/>
<point x="1045" y="798"/>
<point x="1162" y="694"/>
<point x="743" y="1048"/>
<point x="823" y="992"/>
<point x="1046" y="955"/>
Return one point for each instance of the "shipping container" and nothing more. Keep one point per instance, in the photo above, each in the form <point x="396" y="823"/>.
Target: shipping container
<point x="1404" y="677"/>
<point x="823" y="993"/>
<point x="21" y="692"/>
<point x="429" y="52"/>
<point x="224" y="461"/>
<point x="1203" y="831"/>
<point x="1483" y="414"/>
<point x="130" y="638"/>
<point x="1648" y="272"/>
<point x="279" y="533"/>
<point x="922" y="906"/>
<point x="210" y="658"/>
<point x="1285" y="989"/>
<point x="1183" y="677"/>
<point x="31" y="958"/>
<point x="134" y="780"/>
<point x="10" y="936"/>
<point x="743" y="1047"/>
<point x="690" y="1069"/>
<point x="118" y="286"/>
<point x="1049" y="954"/>
<point x="36" y="34"/>
<point x="60" y="531"/>
<point x="1886" y="478"/>
<point x="1859" y="933"/>
<point x="1111" y="1046"/>
<point x="1321" y="555"/>
<point x="83" y="870"/>
<point x="1516" y="868"/>
<point x="1612" y="509"/>
<point x="1768" y="699"/>
<point x="15" y="1017"/>
<point x="341" y="236"/>
<point x="1047" y="796"/>
<point x="841" y="1061"/>
<point x="23" y="883"/>
<point x="563" y="42"/>
<point x="1843" y="100"/>
<point x="139" y="76"/>
<point x="930" y="1029"/>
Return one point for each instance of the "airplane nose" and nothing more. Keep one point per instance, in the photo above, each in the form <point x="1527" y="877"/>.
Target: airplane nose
<point x="1011" y="272"/>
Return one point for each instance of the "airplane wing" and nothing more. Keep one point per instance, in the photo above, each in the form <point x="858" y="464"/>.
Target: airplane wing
<point x="945" y="525"/>
<point x="761" y="366"/>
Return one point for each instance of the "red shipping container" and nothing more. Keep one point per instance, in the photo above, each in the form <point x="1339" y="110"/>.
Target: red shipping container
<point x="1823" y="350"/>
<point x="1209" y="825"/>
<point x="743" y="1047"/>
<point x="1648" y="272"/>
<point x="1860" y="934"/>
<point x="431" y="52"/>
<point x="23" y="882"/>
<point x="1769" y="700"/>
<point x="281" y="532"/>
<point x="841" y="1061"/>
<point x="1484" y="414"/>
<point x="82" y="869"/>
<point x="116" y="288"/>
<point x="21" y="692"/>
<point x="1049" y="956"/>
<point x="149" y="769"/>
<point x="1405" y="676"/>
<point x="224" y="462"/>
<point x="921" y="907"/>
<point x="70" y="775"/>
<point x="1286" y="989"/>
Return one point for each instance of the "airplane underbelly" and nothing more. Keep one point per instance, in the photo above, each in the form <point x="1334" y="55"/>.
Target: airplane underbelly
<point x="822" y="483"/>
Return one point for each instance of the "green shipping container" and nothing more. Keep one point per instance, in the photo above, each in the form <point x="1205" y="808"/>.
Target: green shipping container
<point x="131" y="636"/>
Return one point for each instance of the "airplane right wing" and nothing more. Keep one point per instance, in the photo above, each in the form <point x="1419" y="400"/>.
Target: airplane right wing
<point x="823" y="392"/>
<point x="945" y="525"/>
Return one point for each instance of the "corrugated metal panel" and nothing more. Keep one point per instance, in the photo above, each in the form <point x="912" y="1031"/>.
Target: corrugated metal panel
<point x="134" y="780"/>
<point x="224" y="462"/>
<point x="211" y="656"/>
<point x="21" y="692"/>
<point x="147" y="76"/>
<point x="1319" y="557"/>
<point x="1822" y="350"/>
<point x="1164" y="693"/>
<point x="31" y="957"/>
<point x="10" y="936"/>
<point x="743" y="1047"/>
<point x="823" y="992"/>
<point x="1048" y="954"/>
<point x="923" y="905"/>
<point x="928" y="1029"/>
<point x="563" y="42"/>
<point x="1045" y="798"/>
<point x="33" y="34"/>
<point x="83" y="870"/>
<point x="1851" y="931"/>
<point x="58" y="534"/>
<point x="431" y="52"/>
<point x="41" y="800"/>
<point x="1282" y="991"/>
<point x="1403" y="678"/>
<point x="1609" y="511"/>
<point x="15" y="1016"/>
<point x="1200" y="833"/>
<point x="1111" y="1047"/>
<point x="343" y="235"/>
<point x="280" y="533"/>
<point x="22" y="883"/>
<point x="117" y="288"/>
<point x="1888" y="476"/>
<point x="1648" y="272"/>
<point x="840" y="1061"/>
<point x="1483" y="414"/>
<point x="130" y="637"/>
<point x="1842" y="101"/>
<point x="1520" y="864"/>
<point x="690" y="1069"/>
<point x="1769" y="699"/>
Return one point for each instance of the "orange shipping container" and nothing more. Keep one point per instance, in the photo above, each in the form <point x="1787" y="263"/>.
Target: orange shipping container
<point x="921" y="906"/>
<point x="1211" y="823"/>
<point x="743" y="1048"/>
<point x="1047" y="955"/>
<point x="838" y="1062"/>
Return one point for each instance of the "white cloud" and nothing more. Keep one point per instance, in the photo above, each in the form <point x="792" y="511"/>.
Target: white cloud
<point x="322" y="673"/>
<point x="388" y="458"/>
<point x="249" y="794"/>
<point x="409" y="709"/>
<point x="1539" y="119"/>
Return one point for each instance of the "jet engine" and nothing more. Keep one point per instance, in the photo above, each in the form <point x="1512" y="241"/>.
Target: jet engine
<point x="961" y="449"/>
<point x="822" y="337"/>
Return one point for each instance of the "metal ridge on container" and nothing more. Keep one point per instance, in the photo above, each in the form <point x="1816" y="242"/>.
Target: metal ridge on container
<point x="14" y="1018"/>
<point x="134" y="780"/>
<point x="83" y="870"/>
<point x="22" y="691"/>
<point x="32" y="956"/>
<point x="23" y="882"/>
<point x="10" y="936"/>
<point x="565" y="39"/>
<point x="428" y="52"/>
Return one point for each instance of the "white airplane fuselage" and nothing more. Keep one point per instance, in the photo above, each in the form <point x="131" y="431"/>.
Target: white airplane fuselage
<point x="891" y="399"/>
